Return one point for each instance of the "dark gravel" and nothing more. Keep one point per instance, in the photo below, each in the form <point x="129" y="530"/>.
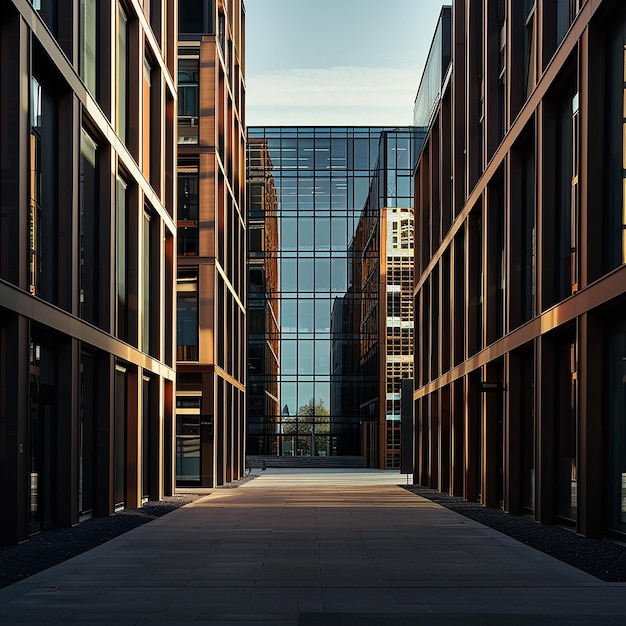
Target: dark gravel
<point x="603" y="558"/>
<point x="56" y="545"/>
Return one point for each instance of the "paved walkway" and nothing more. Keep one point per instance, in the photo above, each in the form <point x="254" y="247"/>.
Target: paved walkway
<point x="314" y="548"/>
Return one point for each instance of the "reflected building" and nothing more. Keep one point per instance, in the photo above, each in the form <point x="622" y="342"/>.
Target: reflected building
<point x="331" y="187"/>
<point x="262" y="309"/>
<point x="210" y="286"/>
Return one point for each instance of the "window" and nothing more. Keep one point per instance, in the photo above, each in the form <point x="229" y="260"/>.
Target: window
<point x="187" y="213"/>
<point x="146" y="117"/>
<point x="614" y="224"/>
<point x="43" y="209"/>
<point x="530" y="46"/>
<point x="48" y="11"/>
<point x="88" y="230"/>
<point x="150" y="292"/>
<point x="88" y="49"/>
<point x="566" y="11"/>
<point x="187" y="316"/>
<point x="121" y="258"/>
<point x="35" y="187"/>
<point x="194" y="16"/>
<point x="188" y="120"/>
<point x="121" y="66"/>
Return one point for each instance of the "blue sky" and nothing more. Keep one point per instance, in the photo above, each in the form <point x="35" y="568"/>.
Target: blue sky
<point x="336" y="62"/>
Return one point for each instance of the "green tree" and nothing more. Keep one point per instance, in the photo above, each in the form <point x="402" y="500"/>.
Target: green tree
<point x="313" y="409"/>
<point x="311" y="425"/>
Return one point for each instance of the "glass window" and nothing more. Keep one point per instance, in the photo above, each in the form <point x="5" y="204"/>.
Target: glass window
<point x="187" y="213"/>
<point x="339" y="233"/>
<point x="121" y="258"/>
<point x="88" y="226"/>
<point x="187" y="317"/>
<point x="305" y="315"/>
<point x="43" y="210"/>
<point x="306" y="154"/>
<point x="305" y="275"/>
<point x="322" y="315"/>
<point x="289" y="273"/>
<point x="305" y="357"/>
<point x="121" y="82"/>
<point x="322" y="357"/>
<point x="191" y="16"/>
<point x="88" y="51"/>
<point x="305" y="233"/>
<point x="289" y="316"/>
<point x="187" y="196"/>
<point x="188" y="103"/>
<point x="322" y="233"/>
<point x="322" y="275"/>
<point x="289" y="233"/>
<point x="147" y="306"/>
<point x="288" y="395"/>
<point x="339" y="275"/>
<point x="288" y="356"/>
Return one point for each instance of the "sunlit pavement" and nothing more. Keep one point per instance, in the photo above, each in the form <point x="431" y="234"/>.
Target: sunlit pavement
<point x="314" y="547"/>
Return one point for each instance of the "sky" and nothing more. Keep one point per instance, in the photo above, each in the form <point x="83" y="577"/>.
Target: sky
<point x="336" y="62"/>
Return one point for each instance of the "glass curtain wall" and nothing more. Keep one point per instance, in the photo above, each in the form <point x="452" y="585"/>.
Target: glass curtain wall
<point x="319" y="180"/>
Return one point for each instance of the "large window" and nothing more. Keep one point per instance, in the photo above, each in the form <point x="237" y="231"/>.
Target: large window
<point x="187" y="316"/>
<point x="88" y="48"/>
<point x="43" y="212"/>
<point x="188" y="103"/>
<point x="121" y="82"/>
<point x="121" y="258"/>
<point x="530" y="46"/>
<point x="614" y="223"/>
<point x="195" y="16"/>
<point x="188" y="212"/>
<point x="88" y="230"/>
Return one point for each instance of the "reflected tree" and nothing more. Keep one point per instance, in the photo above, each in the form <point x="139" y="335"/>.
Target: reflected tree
<point x="310" y="428"/>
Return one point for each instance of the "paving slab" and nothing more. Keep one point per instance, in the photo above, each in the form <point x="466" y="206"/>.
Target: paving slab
<point x="314" y="547"/>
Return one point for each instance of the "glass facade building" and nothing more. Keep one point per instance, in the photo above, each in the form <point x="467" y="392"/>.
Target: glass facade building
<point x="315" y="201"/>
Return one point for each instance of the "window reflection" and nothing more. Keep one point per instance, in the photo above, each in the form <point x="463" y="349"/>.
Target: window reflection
<point x="328" y="363"/>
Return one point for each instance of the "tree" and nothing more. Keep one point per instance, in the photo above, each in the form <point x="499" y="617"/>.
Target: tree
<point x="313" y="408"/>
<point x="310" y="427"/>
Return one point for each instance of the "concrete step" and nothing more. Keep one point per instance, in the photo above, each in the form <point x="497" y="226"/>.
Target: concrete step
<point x="263" y="461"/>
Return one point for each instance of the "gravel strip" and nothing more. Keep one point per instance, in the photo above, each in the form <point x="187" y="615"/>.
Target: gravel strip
<point x="603" y="558"/>
<point x="56" y="545"/>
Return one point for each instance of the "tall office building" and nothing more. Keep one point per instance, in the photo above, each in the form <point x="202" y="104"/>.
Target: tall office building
<point x="520" y="295"/>
<point x="210" y="286"/>
<point x="86" y="259"/>
<point x="319" y="202"/>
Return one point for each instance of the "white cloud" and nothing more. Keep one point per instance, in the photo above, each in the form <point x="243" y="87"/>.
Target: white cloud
<point x="339" y="96"/>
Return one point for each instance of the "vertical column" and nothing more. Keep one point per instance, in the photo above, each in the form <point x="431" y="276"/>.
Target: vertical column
<point x="590" y="444"/>
<point x="104" y="500"/>
<point x="544" y="477"/>
<point x="66" y="489"/>
<point x="14" y="414"/>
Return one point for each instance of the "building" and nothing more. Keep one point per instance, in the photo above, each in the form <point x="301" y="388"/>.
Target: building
<point x="210" y="286"/>
<point x="520" y="392"/>
<point x="87" y="259"/>
<point x="319" y="202"/>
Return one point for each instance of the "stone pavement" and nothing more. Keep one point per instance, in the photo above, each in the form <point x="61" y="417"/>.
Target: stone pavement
<point x="314" y="548"/>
